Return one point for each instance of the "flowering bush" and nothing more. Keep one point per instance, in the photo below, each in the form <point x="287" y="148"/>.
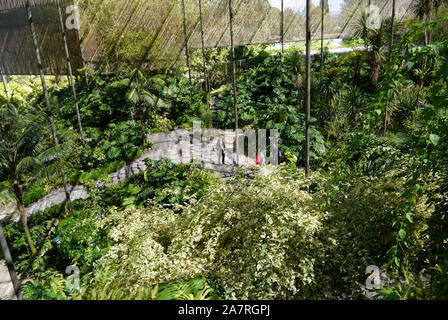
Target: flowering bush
<point x="264" y="237"/>
<point x="251" y="239"/>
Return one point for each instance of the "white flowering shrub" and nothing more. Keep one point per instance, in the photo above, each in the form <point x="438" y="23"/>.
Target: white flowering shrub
<point x="261" y="238"/>
<point x="258" y="237"/>
<point x="143" y="253"/>
<point x="251" y="239"/>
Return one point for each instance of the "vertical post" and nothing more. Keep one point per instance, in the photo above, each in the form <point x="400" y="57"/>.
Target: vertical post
<point x="47" y="99"/>
<point x="80" y="47"/>
<point x="187" y="51"/>
<point x="392" y="30"/>
<point x="322" y="3"/>
<point x="226" y="70"/>
<point x="308" y="90"/>
<point x="282" y="30"/>
<point x="203" y="50"/>
<point x="235" y="104"/>
<point x="4" y="83"/>
<point x="386" y="111"/>
<point x="70" y="72"/>
<point x="2" y="74"/>
<point x="9" y="263"/>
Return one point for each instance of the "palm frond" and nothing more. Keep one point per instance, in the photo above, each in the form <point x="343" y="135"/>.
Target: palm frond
<point x="54" y="153"/>
<point x="27" y="164"/>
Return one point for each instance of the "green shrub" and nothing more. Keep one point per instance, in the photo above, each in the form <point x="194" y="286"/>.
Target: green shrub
<point x="187" y="103"/>
<point x="258" y="238"/>
<point x="162" y="182"/>
<point x="36" y="193"/>
<point x="265" y="238"/>
<point x="50" y="287"/>
<point x="268" y="99"/>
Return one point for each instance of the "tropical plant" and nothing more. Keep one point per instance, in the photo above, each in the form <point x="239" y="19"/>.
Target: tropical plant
<point x="145" y="95"/>
<point x="22" y="154"/>
<point x="268" y="98"/>
<point x="375" y="38"/>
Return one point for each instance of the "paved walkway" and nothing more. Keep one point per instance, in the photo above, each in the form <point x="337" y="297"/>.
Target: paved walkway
<point x="177" y="145"/>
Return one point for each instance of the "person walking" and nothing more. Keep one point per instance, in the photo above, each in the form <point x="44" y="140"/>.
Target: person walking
<point x="220" y="148"/>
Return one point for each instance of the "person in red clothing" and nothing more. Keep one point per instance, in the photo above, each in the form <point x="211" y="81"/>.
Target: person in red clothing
<point x="261" y="158"/>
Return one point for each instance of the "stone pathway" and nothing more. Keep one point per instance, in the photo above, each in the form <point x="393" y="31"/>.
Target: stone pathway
<point x="176" y="146"/>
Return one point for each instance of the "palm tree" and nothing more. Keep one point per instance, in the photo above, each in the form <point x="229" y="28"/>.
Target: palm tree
<point x="22" y="155"/>
<point x="374" y="39"/>
<point x="145" y="95"/>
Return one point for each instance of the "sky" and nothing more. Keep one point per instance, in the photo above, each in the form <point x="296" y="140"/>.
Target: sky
<point x="335" y="5"/>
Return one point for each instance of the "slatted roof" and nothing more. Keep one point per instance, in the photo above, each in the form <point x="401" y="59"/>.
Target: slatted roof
<point x="152" y="31"/>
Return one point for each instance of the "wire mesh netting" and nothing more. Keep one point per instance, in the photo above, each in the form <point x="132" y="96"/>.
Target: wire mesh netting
<point x="17" y="54"/>
<point x="156" y="33"/>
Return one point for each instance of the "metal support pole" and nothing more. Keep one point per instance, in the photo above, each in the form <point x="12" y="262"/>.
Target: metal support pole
<point x="235" y="104"/>
<point x="386" y="111"/>
<point x="308" y="89"/>
<point x="322" y="2"/>
<point x="4" y="83"/>
<point x="392" y="29"/>
<point x="47" y="99"/>
<point x="204" y="61"/>
<point x="282" y="19"/>
<point x="187" y="52"/>
<point x="70" y="72"/>
<point x="10" y="264"/>
<point x="80" y="49"/>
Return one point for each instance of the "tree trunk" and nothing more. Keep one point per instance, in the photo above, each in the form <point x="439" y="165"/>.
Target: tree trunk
<point x="386" y="120"/>
<point x="23" y="217"/>
<point x="357" y="76"/>
<point x="22" y="213"/>
<point x="375" y="70"/>
<point x="299" y="83"/>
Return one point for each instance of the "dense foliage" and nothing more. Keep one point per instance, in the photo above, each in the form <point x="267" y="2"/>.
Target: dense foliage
<point x="377" y="194"/>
